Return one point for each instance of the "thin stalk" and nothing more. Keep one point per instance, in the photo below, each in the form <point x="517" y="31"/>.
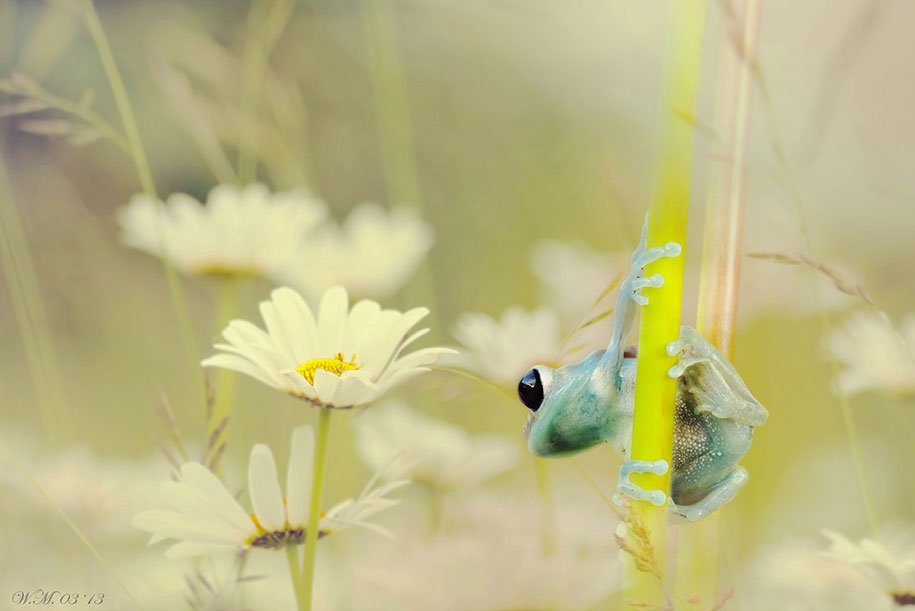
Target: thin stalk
<point x="292" y="557"/>
<point x="655" y="391"/>
<point x="251" y="77"/>
<point x="314" y="514"/>
<point x="226" y="309"/>
<point x="825" y="320"/>
<point x="73" y="527"/>
<point x="698" y="549"/>
<point x="31" y="316"/>
<point x="548" y="520"/>
<point x="138" y="154"/>
<point x="395" y="127"/>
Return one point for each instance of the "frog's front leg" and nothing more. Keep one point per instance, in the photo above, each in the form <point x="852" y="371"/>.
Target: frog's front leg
<point x="631" y="293"/>
<point x="712" y="380"/>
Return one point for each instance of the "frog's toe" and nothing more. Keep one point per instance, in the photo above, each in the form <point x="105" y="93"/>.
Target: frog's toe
<point x="655" y="497"/>
<point x="683" y="364"/>
<point x="671" y="250"/>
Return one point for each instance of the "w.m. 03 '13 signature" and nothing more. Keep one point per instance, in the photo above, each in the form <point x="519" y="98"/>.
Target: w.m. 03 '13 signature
<point x="49" y="598"/>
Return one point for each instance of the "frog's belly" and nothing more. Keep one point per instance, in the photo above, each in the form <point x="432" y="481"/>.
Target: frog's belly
<point x="705" y="450"/>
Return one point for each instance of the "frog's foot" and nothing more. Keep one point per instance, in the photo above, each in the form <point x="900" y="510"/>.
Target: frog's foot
<point x="655" y="497"/>
<point x="635" y="282"/>
<point x="712" y="381"/>
<point x="718" y="496"/>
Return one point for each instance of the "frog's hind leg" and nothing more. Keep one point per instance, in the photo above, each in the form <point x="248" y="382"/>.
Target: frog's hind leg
<point x="719" y="495"/>
<point x="712" y="381"/>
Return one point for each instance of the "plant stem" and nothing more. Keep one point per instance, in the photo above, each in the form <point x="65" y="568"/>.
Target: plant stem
<point x="548" y="520"/>
<point x="226" y="308"/>
<point x="825" y="319"/>
<point x="31" y="316"/>
<point x="655" y="392"/>
<point x="292" y="556"/>
<point x="314" y="514"/>
<point x="698" y="549"/>
<point x="395" y="127"/>
<point x="138" y="154"/>
<point x="70" y="524"/>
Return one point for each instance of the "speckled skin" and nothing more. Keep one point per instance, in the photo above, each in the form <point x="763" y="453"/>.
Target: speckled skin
<point x="592" y="401"/>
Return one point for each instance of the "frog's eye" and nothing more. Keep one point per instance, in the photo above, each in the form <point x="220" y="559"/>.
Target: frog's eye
<point x="530" y="389"/>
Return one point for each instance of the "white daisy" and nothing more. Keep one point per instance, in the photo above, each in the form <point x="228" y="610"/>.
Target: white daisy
<point x="247" y="231"/>
<point x="573" y="276"/>
<point x="890" y="567"/>
<point x="876" y="356"/>
<point x="433" y="452"/>
<point x="203" y="516"/>
<point x="345" y="357"/>
<point x="373" y="254"/>
<point x="502" y="350"/>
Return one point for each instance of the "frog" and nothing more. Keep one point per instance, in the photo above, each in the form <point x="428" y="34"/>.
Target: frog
<point x="579" y="405"/>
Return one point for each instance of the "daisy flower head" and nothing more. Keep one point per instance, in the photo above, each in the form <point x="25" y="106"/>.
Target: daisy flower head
<point x="876" y="356"/>
<point x="373" y="253"/>
<point x="200" y="513"/>
<point x="341" y="358"/>
<point x="502" y="350"/>
<point x="433" y="452"/>
<point x="239" y="231"/>
<point x="891" y="567"/>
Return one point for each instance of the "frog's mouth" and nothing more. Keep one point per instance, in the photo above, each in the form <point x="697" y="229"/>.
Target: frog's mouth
<point x="529" y="424"/>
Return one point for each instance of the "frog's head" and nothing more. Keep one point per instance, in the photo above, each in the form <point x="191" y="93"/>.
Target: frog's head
<point x="571" y="407"/>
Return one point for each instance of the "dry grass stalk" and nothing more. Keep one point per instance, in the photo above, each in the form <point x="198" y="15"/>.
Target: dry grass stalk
<point x="844" y="285"/>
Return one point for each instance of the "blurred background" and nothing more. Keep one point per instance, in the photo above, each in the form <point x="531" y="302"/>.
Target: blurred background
<point x="502" y="124"/>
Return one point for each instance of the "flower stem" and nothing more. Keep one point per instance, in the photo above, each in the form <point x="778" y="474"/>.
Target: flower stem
<point x="655" y="392"/>
<point x="314" y="514"/>
<point x="226" y="308"/>
<point x="138" y="154"/>
<point x="548" y="521"/>
<point x="698" y="545"/>
<point x="31" y="316"/>
<point x="292" y="556"/>
<point x="70" y="524"/>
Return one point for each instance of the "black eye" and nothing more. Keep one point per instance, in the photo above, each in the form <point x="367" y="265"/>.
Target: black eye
<point x="530" y="390"/>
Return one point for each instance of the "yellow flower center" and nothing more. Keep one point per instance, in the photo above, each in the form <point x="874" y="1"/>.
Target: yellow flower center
<point x="335" y="366"/>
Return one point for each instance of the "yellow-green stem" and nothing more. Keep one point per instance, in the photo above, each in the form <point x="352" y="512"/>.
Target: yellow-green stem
<point x="314" y="512"/>
<point x="252" y="75"/>
<point x="31" y="315"/>
<point x="655" y="392"/>
<point x="226" y="308"/>
<point x="698" y="546"/>
<point x="548" y="520"/>
<point x="138" y="155"/>
<point x="70" y="524"/>
<point x="292" y="557"/>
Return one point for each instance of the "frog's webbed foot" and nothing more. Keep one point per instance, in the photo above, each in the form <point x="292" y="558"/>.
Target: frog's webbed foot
<point x="642" y="256"/>
<point x="718" y="496"/>
<point x="655" y="497"/>
<point x="712" y="381"/>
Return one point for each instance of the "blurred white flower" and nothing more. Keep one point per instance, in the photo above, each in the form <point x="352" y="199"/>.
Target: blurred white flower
<point x="890" y="567"/>
<point x="876" y="356"/>
<point x="343" y="359"/>
<point x="247" y="231"/>
<point x="204" y="517"/>
<point x="502" y="350"/>
<point x="430" y="452"/>
<point x="573" y="276"/>
<point x="794" y="576"/>
<point x="373" y="254"/>
<point x="491" y="556"/>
